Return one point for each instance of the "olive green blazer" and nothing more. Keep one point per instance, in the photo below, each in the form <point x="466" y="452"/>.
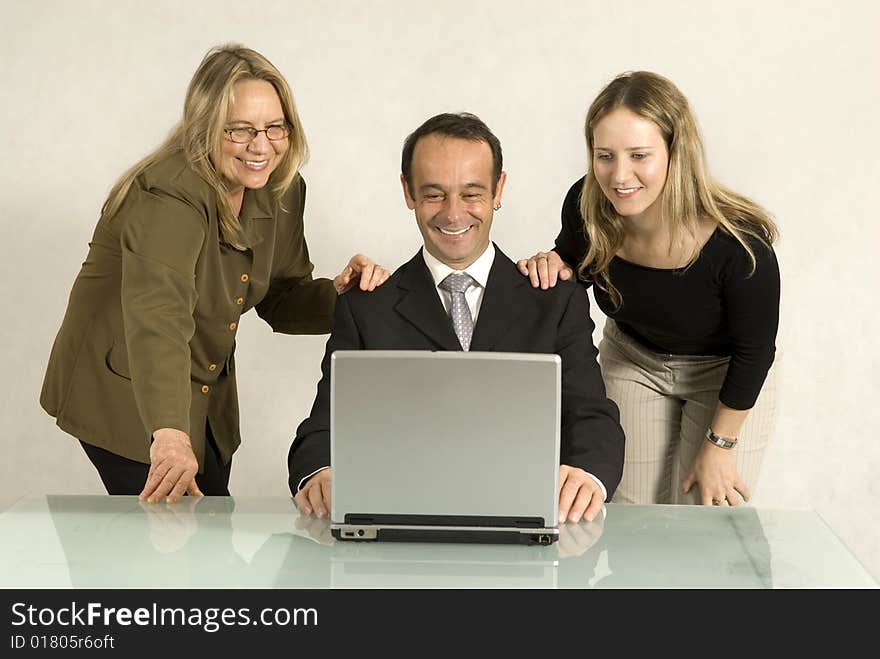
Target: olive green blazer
<point x="148" y="337"/>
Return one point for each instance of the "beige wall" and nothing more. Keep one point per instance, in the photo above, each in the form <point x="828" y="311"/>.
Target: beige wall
<point x="786" y="94"/>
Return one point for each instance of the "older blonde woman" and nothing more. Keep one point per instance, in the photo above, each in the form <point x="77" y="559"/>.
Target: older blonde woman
<point x="204" y="228"/>
<point x="685" y="271"/>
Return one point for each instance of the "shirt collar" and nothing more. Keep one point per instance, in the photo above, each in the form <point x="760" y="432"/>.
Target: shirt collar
<point x="479" y="269"/>
<point x="257" y="203"/>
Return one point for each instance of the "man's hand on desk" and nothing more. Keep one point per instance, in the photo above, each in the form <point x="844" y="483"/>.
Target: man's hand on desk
<point x="314" y="497"/>
<point x="580" y="496"/>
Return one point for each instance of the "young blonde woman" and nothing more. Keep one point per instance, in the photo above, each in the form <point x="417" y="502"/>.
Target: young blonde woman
<point x="685" y="271"/>
<point x="203" y="229"/>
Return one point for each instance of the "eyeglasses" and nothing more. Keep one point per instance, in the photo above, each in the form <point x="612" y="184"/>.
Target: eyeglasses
<point x="245" y="134"/>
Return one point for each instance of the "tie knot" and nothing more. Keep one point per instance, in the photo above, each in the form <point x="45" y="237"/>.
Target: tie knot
<point x="457" y="282"/>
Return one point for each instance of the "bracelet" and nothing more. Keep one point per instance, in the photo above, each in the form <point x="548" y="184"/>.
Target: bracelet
<point x="723" y="442"/>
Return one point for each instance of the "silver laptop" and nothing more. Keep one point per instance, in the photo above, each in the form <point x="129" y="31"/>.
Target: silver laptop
<point x="445" y="446"/>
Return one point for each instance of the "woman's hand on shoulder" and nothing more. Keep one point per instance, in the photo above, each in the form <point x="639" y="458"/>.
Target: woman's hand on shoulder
<point x="173" y="467"/>
<point x="362" y="270"/>
<point x="544" y="269"/>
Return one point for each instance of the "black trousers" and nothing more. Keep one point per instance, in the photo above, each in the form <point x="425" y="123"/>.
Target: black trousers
<point x="123" y="476"/>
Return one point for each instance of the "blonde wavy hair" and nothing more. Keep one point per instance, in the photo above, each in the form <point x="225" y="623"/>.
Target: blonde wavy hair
<point x="689" y="193"/>
<point x="199" y="135"/>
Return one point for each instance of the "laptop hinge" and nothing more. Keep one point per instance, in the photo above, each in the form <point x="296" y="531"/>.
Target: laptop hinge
<point x="444" y="520"/>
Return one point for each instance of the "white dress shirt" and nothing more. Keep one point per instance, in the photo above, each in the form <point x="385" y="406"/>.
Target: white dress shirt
<point x="478" y="270"/>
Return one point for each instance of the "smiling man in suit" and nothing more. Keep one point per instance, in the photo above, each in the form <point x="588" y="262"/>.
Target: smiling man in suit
<point x="453" y="180"/>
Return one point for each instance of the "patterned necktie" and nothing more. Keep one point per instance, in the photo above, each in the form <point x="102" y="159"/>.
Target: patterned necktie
<point x="462" y="321"/>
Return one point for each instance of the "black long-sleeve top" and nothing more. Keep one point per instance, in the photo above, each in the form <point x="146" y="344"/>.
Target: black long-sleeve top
<point x="714" y="307"/>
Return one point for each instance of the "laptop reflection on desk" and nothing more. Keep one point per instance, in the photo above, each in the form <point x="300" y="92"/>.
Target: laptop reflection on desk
<point x="445" y="565"/>
<point x="455" y="447"/>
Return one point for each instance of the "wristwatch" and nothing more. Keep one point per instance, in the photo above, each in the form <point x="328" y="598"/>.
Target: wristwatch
<point x="723" y="442"/>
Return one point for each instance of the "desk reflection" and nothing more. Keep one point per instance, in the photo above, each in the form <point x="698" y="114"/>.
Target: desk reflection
<point x="338" y="564"/>
<point x="674" y="547"/>
<point x="118" y="542"/>
<point x="192" y="543"/>
<point x="682" y="548"/>
<point x="133" y="543"/>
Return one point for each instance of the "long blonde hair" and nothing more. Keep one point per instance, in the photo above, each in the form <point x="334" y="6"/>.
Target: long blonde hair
<point x="688" y="195"/>
<point x="199" y="135"/>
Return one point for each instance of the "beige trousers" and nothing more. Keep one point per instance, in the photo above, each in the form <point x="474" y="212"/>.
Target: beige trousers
<point x="666" y="404"/>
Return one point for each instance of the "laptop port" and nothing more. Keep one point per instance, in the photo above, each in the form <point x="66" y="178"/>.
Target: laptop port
<point x="356" y="533"/>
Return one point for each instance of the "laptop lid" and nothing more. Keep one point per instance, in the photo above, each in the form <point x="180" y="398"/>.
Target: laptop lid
<point x="445" y="446"/>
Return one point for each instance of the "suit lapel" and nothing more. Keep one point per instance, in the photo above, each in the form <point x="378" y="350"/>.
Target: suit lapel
<point x="420" y="304"/>
<point x="502" y="303"/>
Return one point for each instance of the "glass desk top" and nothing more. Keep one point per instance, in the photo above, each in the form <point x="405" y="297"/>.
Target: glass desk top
<point x="247" y="542"/>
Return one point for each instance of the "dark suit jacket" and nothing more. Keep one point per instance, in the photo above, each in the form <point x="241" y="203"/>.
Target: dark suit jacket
<point x="406" y="314"/>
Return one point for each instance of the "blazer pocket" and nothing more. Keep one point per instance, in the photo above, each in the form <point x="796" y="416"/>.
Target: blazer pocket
<point x="117" y="361"/>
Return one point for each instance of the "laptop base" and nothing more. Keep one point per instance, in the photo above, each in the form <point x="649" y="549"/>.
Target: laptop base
<point x="373" y="533"/>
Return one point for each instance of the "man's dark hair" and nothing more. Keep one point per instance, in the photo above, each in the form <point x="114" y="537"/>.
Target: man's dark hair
<point x="462" y="125"/>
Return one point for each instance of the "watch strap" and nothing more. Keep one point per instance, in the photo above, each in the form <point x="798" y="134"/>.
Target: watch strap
<point x="723" y="442"/>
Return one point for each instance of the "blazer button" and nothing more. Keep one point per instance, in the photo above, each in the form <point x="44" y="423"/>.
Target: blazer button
<point x="232" y="326"/>
<point x="244" y="276"/>
<point x="205" y="388"/>
<point x="212" y="367"/>
<point x="239" y="300"/>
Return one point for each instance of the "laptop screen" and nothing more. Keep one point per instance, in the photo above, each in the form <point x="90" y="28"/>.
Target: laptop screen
<point x="445" y="438"/>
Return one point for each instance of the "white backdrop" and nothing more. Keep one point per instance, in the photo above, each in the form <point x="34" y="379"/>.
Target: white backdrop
<point x="786" y="94"/>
